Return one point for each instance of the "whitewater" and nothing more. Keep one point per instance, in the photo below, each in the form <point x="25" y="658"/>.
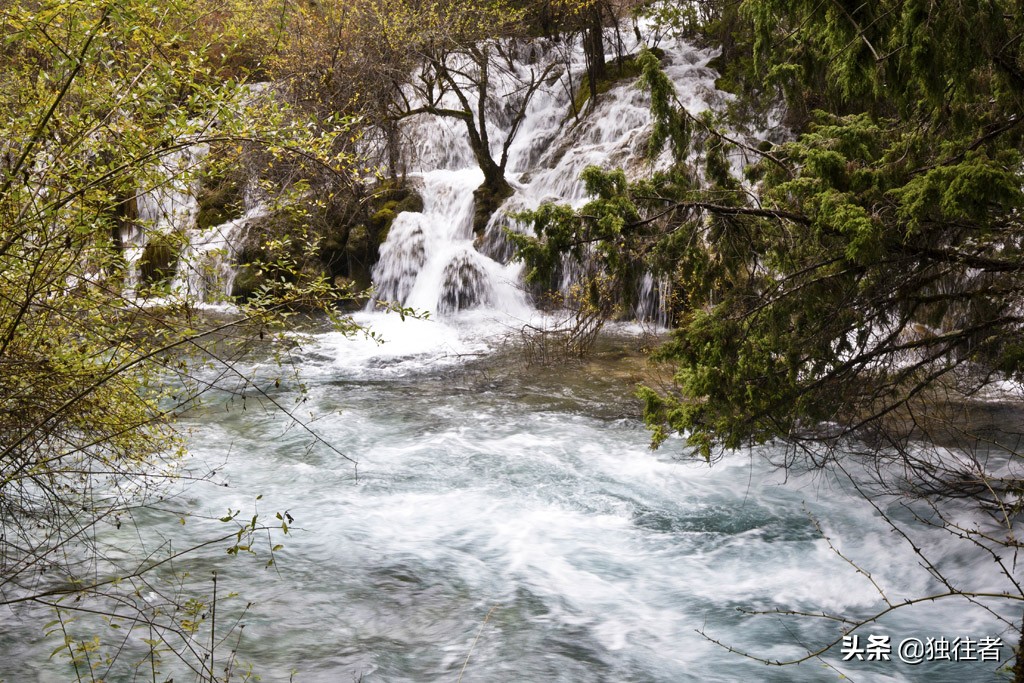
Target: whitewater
<point x="461" y="514"/>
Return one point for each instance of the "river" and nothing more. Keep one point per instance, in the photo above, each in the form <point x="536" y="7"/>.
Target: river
<point x="511" y="519"/>
<point x="458" y="512"/>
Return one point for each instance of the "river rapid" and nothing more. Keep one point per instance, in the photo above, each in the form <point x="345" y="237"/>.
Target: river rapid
<point x="510" y="520"/>
<point x="458" y="511"/>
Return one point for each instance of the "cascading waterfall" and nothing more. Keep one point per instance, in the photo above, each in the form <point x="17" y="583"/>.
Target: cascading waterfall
<point x="208" y="265"/>
<point x="200" y="263"/>
<point x="165" y="210"/>
<point x="430" y="260"/>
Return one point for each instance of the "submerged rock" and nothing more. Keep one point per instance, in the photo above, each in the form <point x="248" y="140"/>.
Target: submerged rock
<point x="464" y="284"/>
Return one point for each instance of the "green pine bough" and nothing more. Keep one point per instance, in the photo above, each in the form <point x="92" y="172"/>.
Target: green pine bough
<point x="853" y="296"/>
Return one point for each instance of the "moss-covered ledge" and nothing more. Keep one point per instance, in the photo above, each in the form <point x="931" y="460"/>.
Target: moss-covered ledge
<point x="618" y="70"/>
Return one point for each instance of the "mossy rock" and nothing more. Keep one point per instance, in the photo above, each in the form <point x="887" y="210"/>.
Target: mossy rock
<point x="159" y="260"/>
<point x="220" y="200"/>
<point x="359" y="239"/>
<point x="248" y="280"/>
<point x="381" y="220"/>
<point x="412" y="201"/>
<point x="486" y="200"/>
<point x="335" y="242"/>
<point x="389" y="202"/>
<point x="618" y="70"/>
<point x="351" y="239"/>
<point x="392" y="202"/>
<point x="362" y="253"/>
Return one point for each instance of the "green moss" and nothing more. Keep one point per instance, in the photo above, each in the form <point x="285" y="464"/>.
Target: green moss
<point x="220" y="200"/>
<point x="247" y="281"/>
<point x="159" y="260"/>
<point x="619" y="70"/>
<point x="381" y="220"/>
<point x="412" y="201"/>
<point x="359" y="239"/>
<point x="390" y="201"/>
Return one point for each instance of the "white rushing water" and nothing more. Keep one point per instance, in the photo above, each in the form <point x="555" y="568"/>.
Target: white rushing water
<point x="528" y="499"/>
<point x="509" y="522"/>
<point x="431" y="261"/>
<point x="513" y="521"/>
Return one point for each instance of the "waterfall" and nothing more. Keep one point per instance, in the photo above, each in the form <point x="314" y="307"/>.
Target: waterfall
<point x="165" y="210"/>
<point x="167" y="250"/>
<point x="430" y="260"/>
<point x="652" y="300"/>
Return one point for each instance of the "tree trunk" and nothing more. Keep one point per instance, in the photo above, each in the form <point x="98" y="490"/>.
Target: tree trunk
<point x="394" y="150"/>
<point x="593" y="49"/>
<point x="490" y="195"/>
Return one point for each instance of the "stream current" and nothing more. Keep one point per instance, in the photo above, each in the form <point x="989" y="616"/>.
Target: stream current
<point x="515" y="515"/>
<point x="508" y="521"/>
<point x="511" y="520"/>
